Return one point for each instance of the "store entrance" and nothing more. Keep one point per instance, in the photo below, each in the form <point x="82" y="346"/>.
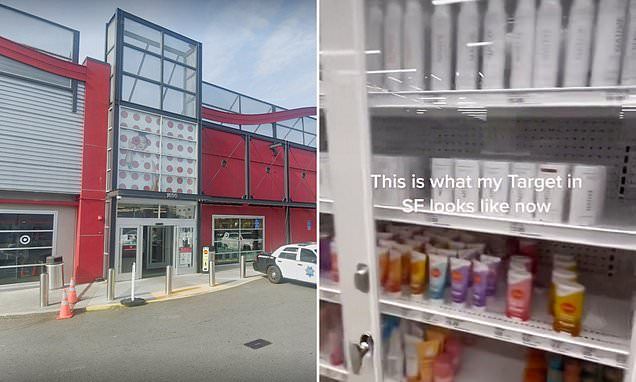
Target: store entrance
<point x="158" y="249"/>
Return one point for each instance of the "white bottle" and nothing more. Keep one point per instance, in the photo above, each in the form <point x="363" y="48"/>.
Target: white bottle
<point x="629" y="61"/>
<point x="441" y="24"/>
<point x="547" y="43"/>
<point x="522" y="45"/>
<point x="413" y="45"/>
<point x="375" y="17"/>
<point x="608" y="45"/>
<point x="578" y="45"/>
<point x="393" y="44"/>
<point x="494" y="54"/>
<point x="467" y="56"/>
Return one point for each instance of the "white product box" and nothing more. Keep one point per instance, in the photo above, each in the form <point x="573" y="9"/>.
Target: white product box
<point x="496" y="186"/>
<point x="467" y="169"/>
<point x="524" y="196"/>
<point x="440" y="168"/>
<point x="554" y="196"/>
<point x="586" y="202"/>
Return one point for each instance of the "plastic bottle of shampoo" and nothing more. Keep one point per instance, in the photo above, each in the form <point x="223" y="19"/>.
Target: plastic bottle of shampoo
<point x="547" y="43"/>
<point x="519" y="297"/>
<point x="441" y="31"/>
<point x="578" y="45"/>
<point x="375" y="17"/>
<point x="413" y="45"/>
<point x="467" y="56"/>
<point x="494" y="54"/>
<point x="393" y="17"/>
<point x="608" y="45"/>
<point x="522" y="45"/>
<point x="629" y="61"/>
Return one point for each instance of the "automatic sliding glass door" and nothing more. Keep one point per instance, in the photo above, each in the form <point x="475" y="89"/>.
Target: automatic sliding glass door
<point x="158" y="249"/>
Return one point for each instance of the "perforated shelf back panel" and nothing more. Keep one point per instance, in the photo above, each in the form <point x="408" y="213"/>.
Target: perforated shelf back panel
<point x="602" y="141"/>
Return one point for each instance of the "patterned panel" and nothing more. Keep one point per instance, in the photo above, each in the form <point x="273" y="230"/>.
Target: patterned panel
<point x="156" y="153"/>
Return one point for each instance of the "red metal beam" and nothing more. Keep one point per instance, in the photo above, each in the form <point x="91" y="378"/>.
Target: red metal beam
<point x="32" y="57"/>
<point x="255" y="119"/>
<point x="89" y="245"/>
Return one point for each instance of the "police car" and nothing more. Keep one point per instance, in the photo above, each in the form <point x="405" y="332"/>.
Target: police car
<point x="292" y="262"/>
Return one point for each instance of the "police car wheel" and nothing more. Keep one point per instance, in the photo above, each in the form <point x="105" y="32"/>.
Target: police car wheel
<point x="274" y="275"/>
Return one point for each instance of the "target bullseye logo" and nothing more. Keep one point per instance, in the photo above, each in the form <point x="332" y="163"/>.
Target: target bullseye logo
<point x="25" y="239"/>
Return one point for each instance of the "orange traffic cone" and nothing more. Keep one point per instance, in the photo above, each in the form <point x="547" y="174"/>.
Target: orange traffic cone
<point x="72" y="293"/>
<point x="65" y="308"/>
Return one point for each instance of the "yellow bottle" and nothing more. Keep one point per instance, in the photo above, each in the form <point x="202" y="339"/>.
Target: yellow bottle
<point x="558" y="275"/>
<point x="418" y="273"/>
<point x="568" y="307"/>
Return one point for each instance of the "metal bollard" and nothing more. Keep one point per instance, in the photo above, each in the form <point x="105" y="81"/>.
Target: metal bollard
<point x="44" y="290"/>
<point x="110" y="285"/>
<point x="212" y="272"/>
<point x="168" y="288"/>
<point x="242" y="266"/>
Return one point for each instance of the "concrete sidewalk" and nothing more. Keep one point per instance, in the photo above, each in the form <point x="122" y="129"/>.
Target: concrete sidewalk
<point x="23" y="299"/>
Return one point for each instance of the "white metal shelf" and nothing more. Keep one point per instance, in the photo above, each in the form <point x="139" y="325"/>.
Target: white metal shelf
<point x="600" y="236"/>
<point x="337" y="373"/>
<point x="576" y="97"/>
<point x="329" y="291"/>
<point x="604" y="338"/>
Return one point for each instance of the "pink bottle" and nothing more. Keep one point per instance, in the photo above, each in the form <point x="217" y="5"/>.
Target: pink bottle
<point x="443" y="369"/>
<point x="519" y="297"/>
<point x="453" y="347"/>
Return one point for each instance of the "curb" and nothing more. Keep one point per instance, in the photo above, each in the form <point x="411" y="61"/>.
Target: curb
<point x="189" y="291"/>
<point x="177" y="294"/>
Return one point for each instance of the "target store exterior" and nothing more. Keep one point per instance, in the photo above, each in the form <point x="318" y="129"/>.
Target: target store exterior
<point x="137" y="159"/>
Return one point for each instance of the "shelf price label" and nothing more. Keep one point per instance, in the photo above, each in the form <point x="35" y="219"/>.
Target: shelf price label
<point x="556" y="346"/>
<point x="529" y="340"/>
<point x="621" y="360"/>
<point x="589" y="354"/>
<point x="498" y="332"/>
<point x="517" y="227"/>
<point x="452" y="322"/>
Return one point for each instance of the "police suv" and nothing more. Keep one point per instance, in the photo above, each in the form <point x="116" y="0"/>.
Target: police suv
<point x="292" y="262"/>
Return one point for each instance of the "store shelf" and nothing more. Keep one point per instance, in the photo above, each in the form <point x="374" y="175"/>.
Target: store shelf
<point x="329" y="291"/>
<point x="603" y="236"/>
<point x="326" y="206"/>
<point x="337" y="373"/>
<point x="509" y="361"/>
<point x="579" y="97"/>
<point x="609" y="236"/>
<point x="605" y="338"/>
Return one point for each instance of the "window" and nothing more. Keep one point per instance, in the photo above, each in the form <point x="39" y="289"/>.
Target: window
<point x="142" y="36"/>
<point x="287" y="255"/>
<point x="10" y="66"/>
<point x="142" y="64"/>
<point x="180" y="50"/>
<point x="140" y="92"/>
<point x="25" y="238"/>
<point x="154" y="211"/>
<point x="169" y="63"/>
<point x="290" y="249"/>
<point x="236" y="236"/>
<point x="307" y="256"/>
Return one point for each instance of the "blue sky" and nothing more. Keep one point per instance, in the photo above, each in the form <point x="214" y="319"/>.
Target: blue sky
<point x="262" y="48"/>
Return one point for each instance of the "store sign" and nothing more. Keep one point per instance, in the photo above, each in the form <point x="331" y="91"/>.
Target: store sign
<point x="25" y="239"/>
<point x="205" y="259"/>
